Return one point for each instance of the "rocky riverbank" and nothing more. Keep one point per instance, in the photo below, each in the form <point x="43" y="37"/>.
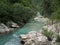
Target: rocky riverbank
<point x="34" y="38"/>
<point x="8" y="28"/>
<point x="48" y="35"/>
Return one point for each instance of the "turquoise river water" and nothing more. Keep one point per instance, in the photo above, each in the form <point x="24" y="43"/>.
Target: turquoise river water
<point x="12" y="38"/>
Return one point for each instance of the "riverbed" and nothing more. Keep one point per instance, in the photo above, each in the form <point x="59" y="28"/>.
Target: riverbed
<point x="13" y="37"/>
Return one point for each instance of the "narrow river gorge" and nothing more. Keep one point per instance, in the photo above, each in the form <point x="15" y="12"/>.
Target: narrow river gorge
<point x="13" y="37"/>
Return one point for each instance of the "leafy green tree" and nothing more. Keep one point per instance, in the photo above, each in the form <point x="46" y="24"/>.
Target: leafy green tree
<point x="56" y="15"/>
<point x="15" y="10"/>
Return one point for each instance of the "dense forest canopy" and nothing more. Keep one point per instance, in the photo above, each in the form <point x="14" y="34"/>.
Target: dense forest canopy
<point x="22" y="10"/>
<point x="49" y="8"/>
<point x="16" y="10"/>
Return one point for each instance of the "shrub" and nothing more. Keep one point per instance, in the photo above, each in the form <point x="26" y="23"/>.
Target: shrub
<point x="48" y="34"/>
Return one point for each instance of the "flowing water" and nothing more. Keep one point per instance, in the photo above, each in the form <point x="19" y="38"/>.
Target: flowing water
<point x="12" y="38"/>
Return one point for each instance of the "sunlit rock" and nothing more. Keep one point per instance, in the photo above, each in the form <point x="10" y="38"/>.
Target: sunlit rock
<point x="36" y="18"/>
<point x="12" y="24"/>
<point x="3" y="28"/>
<point x="23" y="36"/>
<point x="50" y="28"/>
<point x="11" y="29"/>
<point x="34" y="38"/>
<point x="45" y="27"/>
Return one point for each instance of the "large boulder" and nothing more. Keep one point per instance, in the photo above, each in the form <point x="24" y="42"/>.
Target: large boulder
<point x="12" y="24"/>
<point x="34" y="38"/>
<point x="50" y="28"/>
<point x="53" y="42"/>
<point x="23" y="36"/>
<point x="3" y="28"/>
<point x="41" y="18"/>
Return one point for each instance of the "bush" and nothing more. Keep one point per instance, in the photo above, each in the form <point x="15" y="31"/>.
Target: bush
<point x="48" y="34"/>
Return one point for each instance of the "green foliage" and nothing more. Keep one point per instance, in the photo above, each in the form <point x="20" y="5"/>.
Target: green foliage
<point x="48" y="34"/>
<point x="56" y="15"/>
<point x="55" y="4"/>
<point x="13" y="1"/>
<point x="16" y="10"/>
<point x="48" y="8"/>
<point x="58" y="38"/>
<point x="24" y="9"/>
<point x="4" y="11"/>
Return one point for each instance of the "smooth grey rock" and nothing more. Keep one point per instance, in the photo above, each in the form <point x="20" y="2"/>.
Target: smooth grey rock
<point x="12" y="24"/>
<point x="34" y="38"/>
<point x="3" y="28"/>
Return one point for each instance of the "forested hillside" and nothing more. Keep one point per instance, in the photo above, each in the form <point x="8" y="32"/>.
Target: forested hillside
<point x="39" y="19"/>
<point x="22" y="10"/>
<point x="49" y="8"/>
<point x="18" y="11"/>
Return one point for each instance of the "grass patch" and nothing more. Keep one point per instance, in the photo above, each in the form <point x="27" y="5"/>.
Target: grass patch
<point x="48" y="34"/>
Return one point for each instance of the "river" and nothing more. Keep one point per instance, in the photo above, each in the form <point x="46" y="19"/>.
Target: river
<point x="12" y="38"/>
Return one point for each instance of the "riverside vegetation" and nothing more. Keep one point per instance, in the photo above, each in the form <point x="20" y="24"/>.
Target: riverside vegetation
<point x="18" y="12"/>
<point x="15" y="12"/>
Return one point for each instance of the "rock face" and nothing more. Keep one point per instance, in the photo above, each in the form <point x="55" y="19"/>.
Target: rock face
<point x="50" y="28"/>
<point x="38" y="38"/>
<point x="3" y="28"/>
<point x="34" y="38"/>
<point x="55" y="29"/>
<point x="12" y="24"/>
<point x="41" y="18"/>
<point x="10" y="27"/>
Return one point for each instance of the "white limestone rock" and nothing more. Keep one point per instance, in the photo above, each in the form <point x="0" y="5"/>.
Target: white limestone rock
<point x="53" y="41"/>
<point x="50" y="28"/>
<point x="33" y="38"/>
<point x="23" y="36"/>
<point x="3" y="28"/>
<point x="12" y="24"/>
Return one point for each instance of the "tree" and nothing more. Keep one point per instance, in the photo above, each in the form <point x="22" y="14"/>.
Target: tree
<point x="15" y="10"/>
